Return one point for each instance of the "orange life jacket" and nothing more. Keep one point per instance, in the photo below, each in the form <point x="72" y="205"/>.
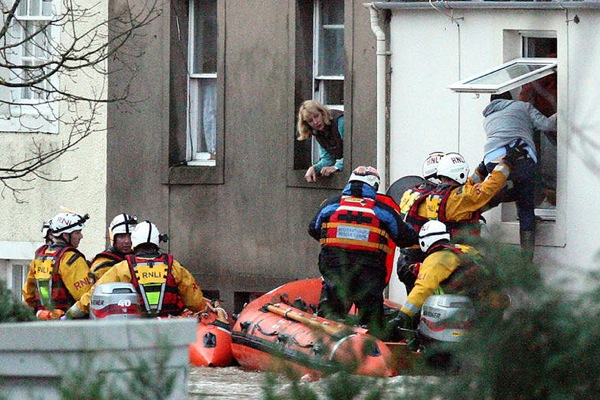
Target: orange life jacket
<point x="354" y="226"/>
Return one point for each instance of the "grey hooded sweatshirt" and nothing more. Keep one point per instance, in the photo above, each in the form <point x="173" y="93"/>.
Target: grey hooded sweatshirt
<point x="508" y="120"/>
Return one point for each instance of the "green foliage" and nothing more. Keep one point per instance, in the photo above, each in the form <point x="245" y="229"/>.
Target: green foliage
<point x="12" y="310"/>
<point x="143" y="379"/>
<point x="545" y="345"/>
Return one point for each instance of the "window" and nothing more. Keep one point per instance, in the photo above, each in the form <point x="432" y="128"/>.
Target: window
<point x="202" y="84"/>
<point x="25" y="50"/>
<point x="319" y="64"/>
<point x="507" y="76"/>
<point x="328" y="53"/>
<point x="542" y="93"/>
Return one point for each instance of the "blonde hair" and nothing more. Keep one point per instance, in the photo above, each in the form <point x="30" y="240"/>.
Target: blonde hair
<point x="309" y="108"/>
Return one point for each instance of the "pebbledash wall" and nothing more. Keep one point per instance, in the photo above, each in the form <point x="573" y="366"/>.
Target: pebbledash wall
<point x="86" y="352"/>
<point x="435" y="45"/>
<point x="81" y="186"/>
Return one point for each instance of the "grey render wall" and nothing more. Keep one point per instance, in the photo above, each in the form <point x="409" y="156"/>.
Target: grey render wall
<point x="246" y="231"/>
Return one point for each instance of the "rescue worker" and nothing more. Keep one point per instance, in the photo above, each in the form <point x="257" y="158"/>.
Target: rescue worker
<point x="164" y="286"/>
<point x="119" y="234"/>
<point x="354" y="233"/>
<point x="457" y="201"/>
<point x="59" y="274"/>
<point x="409" y="258"/>
<point x="447" y="268"/>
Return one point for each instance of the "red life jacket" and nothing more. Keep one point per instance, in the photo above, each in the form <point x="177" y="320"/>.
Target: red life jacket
<point x="354" y="226"/>
<point x="112" y="260"/>
<point x="153" y="279"/>
<point x="438" y="199"/>
<point x="410" y="201"/>
<point x="51" y="292"/>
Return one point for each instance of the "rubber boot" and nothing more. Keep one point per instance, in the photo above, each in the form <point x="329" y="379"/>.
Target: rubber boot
<point x="527" y="244"/>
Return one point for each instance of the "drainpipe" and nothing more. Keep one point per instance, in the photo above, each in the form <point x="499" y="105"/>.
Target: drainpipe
<point x="382" y="139"/>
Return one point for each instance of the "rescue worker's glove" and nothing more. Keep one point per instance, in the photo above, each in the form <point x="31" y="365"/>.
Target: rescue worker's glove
<point x="400" y="328"/>
<point x="46" y="315"/>
<point x="515" y="153"/>
<point x="480" y="173"/>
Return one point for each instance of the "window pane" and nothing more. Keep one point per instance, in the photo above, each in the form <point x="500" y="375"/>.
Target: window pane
<point x="205" y="37"/>
<point x="333" y="12"/>
<point x="204" y="125"/>
<point x="331" y="92"/>
<point x="331" y="52"/>
<point x="331" y="38"/>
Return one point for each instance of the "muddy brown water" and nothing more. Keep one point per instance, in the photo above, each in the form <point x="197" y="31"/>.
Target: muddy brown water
<point x="235" y="383"/>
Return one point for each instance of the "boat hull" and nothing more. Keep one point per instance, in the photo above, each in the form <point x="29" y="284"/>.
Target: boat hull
<point x="212" y="347"/>
<point x="273" y="334"/>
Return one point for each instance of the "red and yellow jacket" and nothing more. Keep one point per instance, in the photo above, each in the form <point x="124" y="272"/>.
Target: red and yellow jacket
<point x="58" y="276"/>
<point x="176" y="277"/>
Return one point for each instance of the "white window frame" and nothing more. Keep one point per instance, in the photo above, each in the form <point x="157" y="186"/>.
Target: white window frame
<point x="320" y="83"/>
<point x="30" y="114"/>
<point x="550" y="230"/>
<point x="507" y="76"/>
<point x="194" y="155"/>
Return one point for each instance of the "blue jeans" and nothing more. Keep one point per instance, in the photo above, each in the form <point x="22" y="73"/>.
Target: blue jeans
<point x="523" y="191"/>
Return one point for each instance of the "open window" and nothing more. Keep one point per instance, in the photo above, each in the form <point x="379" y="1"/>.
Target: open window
<point x="531" y="77"/>
<point x="507" y="76"/>
<point x="319" y="65"/>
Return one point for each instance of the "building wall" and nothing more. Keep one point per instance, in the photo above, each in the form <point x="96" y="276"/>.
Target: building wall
<point x="242" y="226"/>
<point x="431" y="51"/>
<point x="76" y="180"/>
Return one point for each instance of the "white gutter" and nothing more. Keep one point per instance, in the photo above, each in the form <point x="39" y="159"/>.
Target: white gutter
<point x="382" y="136"/>
<point x="465" y="5"/>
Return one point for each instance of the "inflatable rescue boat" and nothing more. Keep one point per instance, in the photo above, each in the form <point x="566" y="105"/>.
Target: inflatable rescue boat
<point x="119" y="300"/>
<point x="279" y="332"/>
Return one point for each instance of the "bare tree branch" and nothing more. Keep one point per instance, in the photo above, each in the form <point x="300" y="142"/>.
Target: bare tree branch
<point x="41" y="74"/>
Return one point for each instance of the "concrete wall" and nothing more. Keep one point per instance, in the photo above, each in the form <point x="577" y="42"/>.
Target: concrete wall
<point x="36" y="358"/>
<point x="431" y="51"/>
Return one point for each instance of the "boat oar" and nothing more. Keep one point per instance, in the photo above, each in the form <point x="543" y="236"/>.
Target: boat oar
<point x="299" y="317"/>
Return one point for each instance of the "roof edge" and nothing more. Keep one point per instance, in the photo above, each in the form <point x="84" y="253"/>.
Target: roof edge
<point x="464" y="5"/>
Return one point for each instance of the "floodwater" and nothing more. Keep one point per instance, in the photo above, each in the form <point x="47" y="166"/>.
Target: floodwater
<point x="233" y="382"/>
<point x="224" y="383"/>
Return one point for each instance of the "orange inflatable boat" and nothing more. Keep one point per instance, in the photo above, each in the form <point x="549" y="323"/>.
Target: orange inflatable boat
<point x="213" y="342"/>
<point x="279" y="332"/>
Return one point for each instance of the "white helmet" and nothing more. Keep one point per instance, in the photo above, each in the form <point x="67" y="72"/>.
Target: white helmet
<point x="453" y="166"/>
<point x="145" y="232"/>
<point x="67" y="223"/>
<point x="368" y="175"/>
<point x="45" y="229"/>
<point x="431" y="233"/>
<point x="122" y="223"/>
<point x="430" y="166"/>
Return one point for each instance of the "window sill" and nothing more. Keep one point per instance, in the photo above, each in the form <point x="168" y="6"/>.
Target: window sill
<point x="202" y="163"/>
<point x="196" y="174"/>
<point x="295" y="178"/>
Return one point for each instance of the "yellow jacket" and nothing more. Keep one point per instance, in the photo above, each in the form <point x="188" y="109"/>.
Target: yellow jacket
<point x="100" y="264"/>
<point x="190" y="292"/>
<point x="73" y="271"/>
<point x="465" y="200"/>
